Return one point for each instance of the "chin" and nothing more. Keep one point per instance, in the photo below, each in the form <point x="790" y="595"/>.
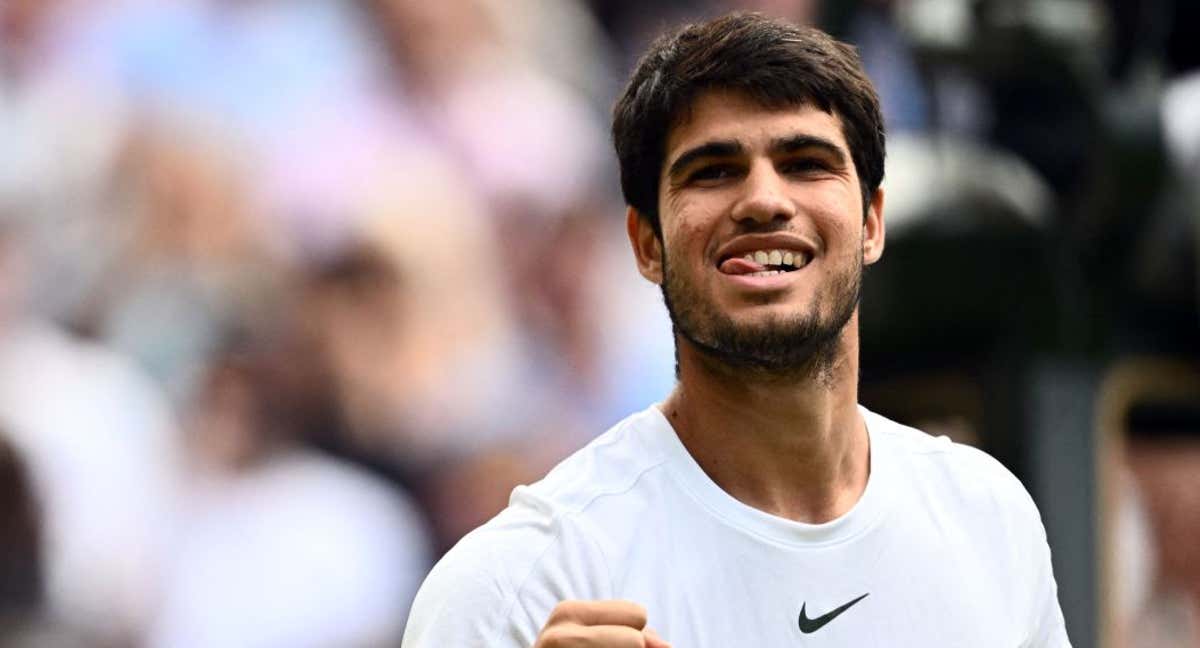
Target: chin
<point x="774" y="313"/>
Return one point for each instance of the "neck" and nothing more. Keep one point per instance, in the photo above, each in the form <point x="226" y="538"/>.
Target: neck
<point x="793" y="446"/>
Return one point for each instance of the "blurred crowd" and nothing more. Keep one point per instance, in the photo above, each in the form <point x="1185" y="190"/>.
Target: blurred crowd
<point x="248" y="395"/>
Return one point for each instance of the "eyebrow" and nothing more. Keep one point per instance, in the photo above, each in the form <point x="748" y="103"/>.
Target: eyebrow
<point x="796" y="143"/>
<point x="724" y="148"/>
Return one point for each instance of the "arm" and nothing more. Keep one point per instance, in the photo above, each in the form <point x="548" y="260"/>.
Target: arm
<point x="461" y="603"/>
<point x="524" y="579"/>
<point x="458" y="610"/>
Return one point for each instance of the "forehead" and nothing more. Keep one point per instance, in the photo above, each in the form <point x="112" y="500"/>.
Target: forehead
<point x="720" y="115"/>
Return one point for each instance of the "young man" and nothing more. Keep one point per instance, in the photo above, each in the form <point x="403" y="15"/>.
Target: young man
<point x="759" y="504"/>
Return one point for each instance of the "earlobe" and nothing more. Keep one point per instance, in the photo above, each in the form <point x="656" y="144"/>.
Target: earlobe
<point x="647" y="247"/>
<point x="874" y="230"/>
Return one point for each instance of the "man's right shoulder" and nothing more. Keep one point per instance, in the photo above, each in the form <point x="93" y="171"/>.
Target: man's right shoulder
<point x="496" y="587"/>
<point x="473" y="595"/>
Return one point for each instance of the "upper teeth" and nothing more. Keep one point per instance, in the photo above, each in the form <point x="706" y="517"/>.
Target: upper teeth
<point x="776" y="257"/>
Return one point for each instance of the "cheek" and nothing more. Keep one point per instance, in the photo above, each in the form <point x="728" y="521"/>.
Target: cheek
<point x="686" y="231"/>
<point x="686" y="251"/>
<point x="838" y="219"/>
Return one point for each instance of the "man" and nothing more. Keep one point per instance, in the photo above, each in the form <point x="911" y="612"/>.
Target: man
<point x="758" y="504"/>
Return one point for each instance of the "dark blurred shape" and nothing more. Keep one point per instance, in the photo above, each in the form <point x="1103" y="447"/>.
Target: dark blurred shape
<point x="966" y="295"/>
<point x="24" y="619"/>
<point x="20" y="538"/>
<point x="1029" y="83"/>
<point x="1029" y="77"/>
<point x="888" y="58"/>
<point x="1153" y="29"/>
<point x="1163" y="420"/>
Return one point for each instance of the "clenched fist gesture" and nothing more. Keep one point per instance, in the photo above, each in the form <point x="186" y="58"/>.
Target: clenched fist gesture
<point x="598" y="624"/>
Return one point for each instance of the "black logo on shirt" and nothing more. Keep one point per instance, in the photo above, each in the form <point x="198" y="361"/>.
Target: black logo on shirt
<point x="808" y="625"/>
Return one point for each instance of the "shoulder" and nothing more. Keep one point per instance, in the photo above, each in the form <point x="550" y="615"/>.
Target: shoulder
<point x="611" y="465"/>
<point x="469" y="595"/>
<point x="954" y="473"/>
<point x="971" y="494"/>
<point x="502" y="579"/>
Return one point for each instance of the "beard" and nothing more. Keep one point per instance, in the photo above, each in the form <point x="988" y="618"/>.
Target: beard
<point x="798" y="345"/>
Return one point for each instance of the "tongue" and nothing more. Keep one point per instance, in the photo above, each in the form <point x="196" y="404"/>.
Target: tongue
<point x="739" y="266"/>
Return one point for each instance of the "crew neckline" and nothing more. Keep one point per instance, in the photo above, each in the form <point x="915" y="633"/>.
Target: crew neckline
<point x="861" y="517"/>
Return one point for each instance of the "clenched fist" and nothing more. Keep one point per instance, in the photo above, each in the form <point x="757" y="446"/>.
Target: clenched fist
<point x="598" y="624"/>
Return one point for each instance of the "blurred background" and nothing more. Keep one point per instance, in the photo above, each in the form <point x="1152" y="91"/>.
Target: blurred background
<point x="248" y="394"/>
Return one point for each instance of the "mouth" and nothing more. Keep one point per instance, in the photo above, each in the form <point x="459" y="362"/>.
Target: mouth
<point x="763" y="263"/>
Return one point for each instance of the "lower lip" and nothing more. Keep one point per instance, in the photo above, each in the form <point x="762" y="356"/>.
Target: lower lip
<point x="772" y="282"/>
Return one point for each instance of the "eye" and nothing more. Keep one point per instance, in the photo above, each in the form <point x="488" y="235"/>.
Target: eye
<point x="804" y="165"/>
<point x="713" y="174"/>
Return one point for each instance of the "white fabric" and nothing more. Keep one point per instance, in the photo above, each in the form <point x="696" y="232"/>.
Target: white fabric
<point x="300" y="551"/>
<point x="946" y="542"/>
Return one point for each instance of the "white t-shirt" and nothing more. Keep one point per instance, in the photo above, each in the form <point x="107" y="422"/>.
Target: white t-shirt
<point x="944" y="548"/>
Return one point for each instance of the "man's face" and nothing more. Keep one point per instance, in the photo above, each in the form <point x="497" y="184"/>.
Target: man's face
<point x="763" y="235"/>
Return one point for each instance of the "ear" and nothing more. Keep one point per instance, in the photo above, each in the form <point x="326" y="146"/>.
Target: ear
<point x="874" y="230"/>
<point x="647" y="248"/>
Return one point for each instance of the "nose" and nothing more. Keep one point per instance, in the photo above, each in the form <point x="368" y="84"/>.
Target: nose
<point x="764" y="197"/>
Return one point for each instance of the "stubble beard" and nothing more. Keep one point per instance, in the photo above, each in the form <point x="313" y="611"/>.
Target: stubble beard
<point x="796" y="347"/>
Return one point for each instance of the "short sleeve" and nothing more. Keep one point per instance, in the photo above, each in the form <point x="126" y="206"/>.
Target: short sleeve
<point x="459" y="604"/>
<point x="1048" y="628"/>
<point x="1035" y="592"/>
<point x="498" y="586"/>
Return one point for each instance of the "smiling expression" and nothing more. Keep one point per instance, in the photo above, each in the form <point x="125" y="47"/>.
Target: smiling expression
<point x="764" y="232"/>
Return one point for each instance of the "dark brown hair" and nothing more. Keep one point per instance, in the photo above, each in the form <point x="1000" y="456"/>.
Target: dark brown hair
<point x="775" y="63"/>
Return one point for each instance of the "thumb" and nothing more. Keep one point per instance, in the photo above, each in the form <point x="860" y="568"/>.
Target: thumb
<point x="653" y="640"/>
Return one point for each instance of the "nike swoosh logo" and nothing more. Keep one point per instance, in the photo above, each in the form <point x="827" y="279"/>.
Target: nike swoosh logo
<point x="808" y="625"/>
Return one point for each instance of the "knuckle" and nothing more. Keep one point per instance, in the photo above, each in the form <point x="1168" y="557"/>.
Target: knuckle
<point x="563" y="612"/>
<point x="635" y="611"/>
<point x="549" y="638"/>
<point x="561" y="636"/>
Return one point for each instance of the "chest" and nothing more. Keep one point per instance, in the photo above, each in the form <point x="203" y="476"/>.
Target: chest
<point x="897" y="589"/>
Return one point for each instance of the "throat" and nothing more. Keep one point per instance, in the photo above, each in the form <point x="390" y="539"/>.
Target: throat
<point x="809" y="468"/>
